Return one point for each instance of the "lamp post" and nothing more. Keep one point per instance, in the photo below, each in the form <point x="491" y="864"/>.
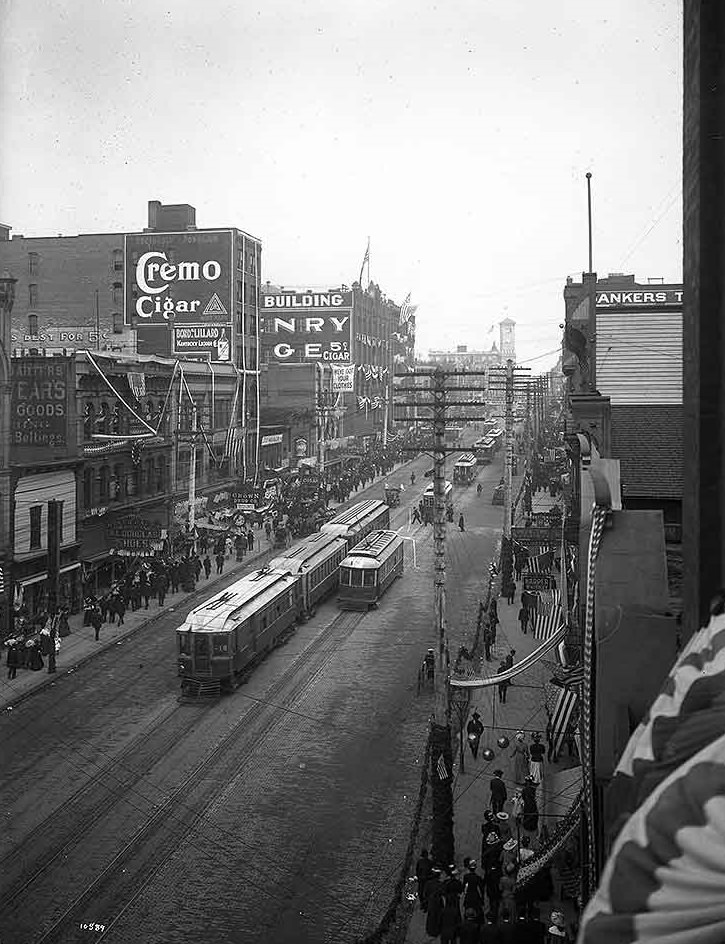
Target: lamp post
<point x="7" y="299"/>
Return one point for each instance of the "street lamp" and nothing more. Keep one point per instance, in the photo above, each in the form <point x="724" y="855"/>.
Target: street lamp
<point x="7" y="299"/>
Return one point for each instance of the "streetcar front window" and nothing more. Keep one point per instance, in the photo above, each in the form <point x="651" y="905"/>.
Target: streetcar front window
<point x="356" y="577"/>
<point x="345" y="576"/>
<point x="220" y="645"/>
<point x="184" y="644"/>
<point x="369" y="578"/>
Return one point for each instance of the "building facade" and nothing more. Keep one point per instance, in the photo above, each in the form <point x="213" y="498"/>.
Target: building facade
<point x="172" y="289"/>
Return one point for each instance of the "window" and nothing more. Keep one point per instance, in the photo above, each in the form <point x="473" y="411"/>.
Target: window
<point x="117" y="293"/>
<point x="117" y="322"/>
<point x="103" y="484"/>
<point x="60" y="522"/>
<point x="356" y="576"/>
<point x="220" y="645"/>
<point x="33" y="295"/>
<point x="87" y="488"/>
<point x="33" y="326"/>
<point x="35" y="516"/>
<point x="369" y="578"/>
<point x="184" y="644"/>
<point x="32" y="263"/>
<point x="118" y="260"/>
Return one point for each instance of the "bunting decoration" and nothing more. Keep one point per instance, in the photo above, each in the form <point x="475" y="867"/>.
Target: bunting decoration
<point x="548" y="621"/>
<point x="137" y="384"/>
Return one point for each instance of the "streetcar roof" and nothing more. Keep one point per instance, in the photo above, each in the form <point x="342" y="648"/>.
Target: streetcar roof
<point x="467" y="459"/>
<point x="373" y="549"/>
<point x="355" y="513"/>
<point x="232" y="606"/>
<point x="430" y="488"/>
<point x="306" y="554"/>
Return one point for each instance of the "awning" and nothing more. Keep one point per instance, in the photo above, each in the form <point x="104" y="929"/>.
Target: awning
<point x="531" y="659"/>
<point x="38" y="578"/>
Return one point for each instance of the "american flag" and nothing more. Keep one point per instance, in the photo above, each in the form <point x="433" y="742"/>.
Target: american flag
<point x="441" y="768"/>
<point x="572" y="675"/>
<point x="562" y="717"/>
<point x="541" y="564"/>
<point x="233" y="443"/>
<point x="548" y="621"/>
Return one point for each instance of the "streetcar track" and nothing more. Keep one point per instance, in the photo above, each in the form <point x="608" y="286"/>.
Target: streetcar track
<point x="120" y="883"/>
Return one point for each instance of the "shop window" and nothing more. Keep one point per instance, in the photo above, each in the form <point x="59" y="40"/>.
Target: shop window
<point x="33" y="326"/>
<point x="36" y="513"/>
<point x="33" y="296"/>
<point x="32" y="263"/>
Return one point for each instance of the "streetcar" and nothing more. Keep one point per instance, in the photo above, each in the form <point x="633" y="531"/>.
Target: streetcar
<point x="428" y="510"/>
<point x="464" y="471"/>
<point x="485" y="450"/>
<point x="233" y="629"/>
<point x="359" y="520"/>
<point x="316" y="561"/>
<point x="369" y="569"/>
<point x="453" y="435"/>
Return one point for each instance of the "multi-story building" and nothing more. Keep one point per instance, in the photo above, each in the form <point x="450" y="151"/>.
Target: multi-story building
<point x="329" y="358"/>
<point x="173" y="289"/>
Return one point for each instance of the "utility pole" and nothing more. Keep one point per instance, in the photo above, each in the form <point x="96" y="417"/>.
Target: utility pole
<point x="54" y="542"/>
<point x="509" y="433"/>
<point x="436" y="400"/>
<point x="320" y="416"/>
<point x="192" y="476"/>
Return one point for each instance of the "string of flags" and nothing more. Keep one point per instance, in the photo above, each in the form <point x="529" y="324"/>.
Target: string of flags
<point x="441" y="768"/>
<point x="370" y="403"/>
<point x="372" y="371"/>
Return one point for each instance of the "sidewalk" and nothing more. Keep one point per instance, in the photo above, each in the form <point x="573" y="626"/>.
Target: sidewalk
<point x="81" y="645"/>
<point x="523" y="710"/>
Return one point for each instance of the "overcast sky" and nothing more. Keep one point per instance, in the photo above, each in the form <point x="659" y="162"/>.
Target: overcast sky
<point x="456" y="135"/>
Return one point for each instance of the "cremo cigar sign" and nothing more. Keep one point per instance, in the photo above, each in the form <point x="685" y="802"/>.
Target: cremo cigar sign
<point x="184" y="278"/>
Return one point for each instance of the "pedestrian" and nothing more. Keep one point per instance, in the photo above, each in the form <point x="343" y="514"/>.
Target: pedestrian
<point x="461" y="523"/>
<point x="203" y="543"/>
<point x="120" y="607"/>
<point x="268" y="529"/>
<point x="97" y="622"/>
<point x="493" y="618"/>
<point x="521" y="758"/>
<point x="162" y="585"/>
<point x="473" y="890"/>
<point x="493" y="878"/>
<point x="412" y="478"/>
<point x="487" y="641"/>
<point x="145" y="589"/>
<point x="474" y="730"/>
<point x="423" y="872"/>
<point x="250" y="540"/>
<point x="416" y="516"/>
<point x="13" y="661"/>
<point x="433" y="894"/>
<point x="450" y="920"/>
<point x="524" y="619"/>
<point x="470" y="931"/>
<point x="219" y="562"/>
<point x="509" y="660"/>
<point x="498" y="792"/>
<point x="503" y="684"/>
<point x="197" y="567"/>
<point x="530" y="813"/>
<point x="536" y="758"/>
<point x="207" y="566"/>
<point x="479" y="489"/>
<point x="511" y="592"/>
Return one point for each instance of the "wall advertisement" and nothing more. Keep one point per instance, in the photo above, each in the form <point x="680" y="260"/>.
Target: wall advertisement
<point x="307" y="327"/>
<point x="40" y="407"/>
<point x="343" y="378"/>
<point x="185" y="280"/>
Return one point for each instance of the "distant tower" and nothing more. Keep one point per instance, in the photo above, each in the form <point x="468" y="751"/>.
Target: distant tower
<point x="508" y="339"/>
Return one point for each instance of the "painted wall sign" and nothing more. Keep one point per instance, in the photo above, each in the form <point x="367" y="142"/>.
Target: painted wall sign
<point x="638" y="298"/>
<point x="40" y="406"/>
<point x="293" y="337"/>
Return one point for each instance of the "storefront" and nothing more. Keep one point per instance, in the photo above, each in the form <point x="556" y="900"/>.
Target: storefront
<point x="31" y="590"/>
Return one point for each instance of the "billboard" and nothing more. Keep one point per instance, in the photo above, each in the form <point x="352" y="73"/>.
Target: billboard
<point x="41" y="407"/>
<point x="307" y="327"/>
<point x="212" y="341"/>
<point x="186" y="278"/>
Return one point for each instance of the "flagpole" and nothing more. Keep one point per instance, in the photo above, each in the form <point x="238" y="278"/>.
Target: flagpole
<point x="368" y="260"/>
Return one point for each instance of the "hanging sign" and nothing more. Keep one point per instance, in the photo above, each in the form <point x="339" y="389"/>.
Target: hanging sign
<point x="343" y="378"/>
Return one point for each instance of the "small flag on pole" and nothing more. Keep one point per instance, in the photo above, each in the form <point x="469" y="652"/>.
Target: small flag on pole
<point x="441" y="768"/>
<point x="365" y="262"/>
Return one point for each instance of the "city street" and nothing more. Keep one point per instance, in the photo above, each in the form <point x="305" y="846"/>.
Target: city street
<point x="283" y="810"/>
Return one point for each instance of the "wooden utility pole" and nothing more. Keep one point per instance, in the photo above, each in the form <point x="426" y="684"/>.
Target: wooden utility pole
<point x="435" y="398"/>
<point x="509" y="437"/>
<point x="54" y="541"/>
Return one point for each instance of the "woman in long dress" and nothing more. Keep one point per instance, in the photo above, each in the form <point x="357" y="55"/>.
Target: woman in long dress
<point x="521" y="758"/>
<point x="536" y="759"/>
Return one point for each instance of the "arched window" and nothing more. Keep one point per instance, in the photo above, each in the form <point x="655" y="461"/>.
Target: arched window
<point x="104" y="479"/>
<point x="103" y="418"/>
<point x="33" y="326"/>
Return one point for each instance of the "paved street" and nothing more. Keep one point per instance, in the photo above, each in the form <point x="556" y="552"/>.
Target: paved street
<point x="297" y="788"/>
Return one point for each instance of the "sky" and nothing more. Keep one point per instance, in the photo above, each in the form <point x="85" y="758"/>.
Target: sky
<point x="455" y="135"/>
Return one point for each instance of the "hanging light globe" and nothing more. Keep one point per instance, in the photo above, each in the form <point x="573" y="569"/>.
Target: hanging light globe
<point x="503" y="742"/>
<point x="487" y="754"/>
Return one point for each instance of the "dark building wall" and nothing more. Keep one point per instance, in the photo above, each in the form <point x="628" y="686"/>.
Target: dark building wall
<point x="704" y="308"/>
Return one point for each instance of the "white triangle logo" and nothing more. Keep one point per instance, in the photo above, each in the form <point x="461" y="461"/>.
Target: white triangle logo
<point x="215" y="306"/>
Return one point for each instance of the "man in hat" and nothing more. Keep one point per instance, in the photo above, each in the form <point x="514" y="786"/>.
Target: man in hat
<point x="474" y="729"/>
<point x="433" y="897"/>
<point x="423" y="868"/>
<point x="498" y="792"/>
